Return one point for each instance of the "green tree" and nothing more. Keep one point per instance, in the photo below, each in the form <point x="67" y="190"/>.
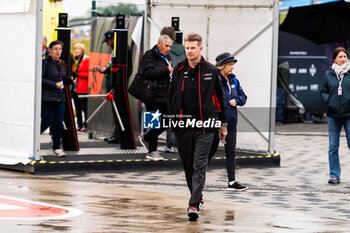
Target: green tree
<point x="121" y="8"/>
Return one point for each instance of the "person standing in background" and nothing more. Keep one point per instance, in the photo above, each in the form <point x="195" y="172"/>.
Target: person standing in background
<point x="335" y="91"/>
<point x="233" y="96"/>
<point x="106" y="70"/>
<point x="156" y="66"/>
<point x="44" y="48"/>
<point x="53" y="94"/>
<point x="177" y="54"/>
<point x="81" y="84"/>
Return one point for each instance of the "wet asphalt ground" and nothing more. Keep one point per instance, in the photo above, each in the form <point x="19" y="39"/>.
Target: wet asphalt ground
<point x="294" y="197"/>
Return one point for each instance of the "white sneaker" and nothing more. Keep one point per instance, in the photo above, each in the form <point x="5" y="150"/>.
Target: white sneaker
<point x="201" y="204"/>
<point x="169" y="149"/>
<point x="154" y="155"/>
<point x="143" y="142"/>
<point x="59" y="152"/>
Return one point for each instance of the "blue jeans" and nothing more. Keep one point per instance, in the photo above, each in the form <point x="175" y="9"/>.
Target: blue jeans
<point x="334" y="128"/>
<point x="52" y="111"/>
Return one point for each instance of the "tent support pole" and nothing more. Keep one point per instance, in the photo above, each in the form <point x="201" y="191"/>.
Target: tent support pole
<point x="253" y="126"/>
<point x="146" y="25"/>
<point x="273" y="77"/>
<point x="252" y="39"/>
<point x="37" y="85"/>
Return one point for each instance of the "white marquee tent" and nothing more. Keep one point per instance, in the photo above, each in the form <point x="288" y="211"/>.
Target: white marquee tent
<point x="247" y="28"/>
<point x="20" y="79"/>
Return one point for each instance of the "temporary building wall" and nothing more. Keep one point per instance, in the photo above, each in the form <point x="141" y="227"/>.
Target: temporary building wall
<point x="249" y="30"/>
<point x="246" y="28"/>
<point x="20" y="59"/>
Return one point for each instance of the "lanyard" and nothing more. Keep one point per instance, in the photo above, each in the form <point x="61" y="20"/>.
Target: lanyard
<point x="58" y="64"/>
<point x="340" y="78"/>
<point x="340" y="89"/>
<point x="229" y="87"/>
<point x="165" y="58"/>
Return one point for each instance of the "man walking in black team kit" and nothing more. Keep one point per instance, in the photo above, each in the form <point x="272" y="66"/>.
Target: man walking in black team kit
<point x="191" y="90"/>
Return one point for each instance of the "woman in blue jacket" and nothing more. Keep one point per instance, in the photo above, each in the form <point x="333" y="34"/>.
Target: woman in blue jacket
<point x="53" y="94"/>
<point x="335" y="91"/>
<point x="233" y="96"/>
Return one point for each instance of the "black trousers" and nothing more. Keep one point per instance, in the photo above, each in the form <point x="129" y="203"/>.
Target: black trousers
<point x="194" y="147"/>
<point x="152" y="135"/>
<point x="80" y="108"/>
<point x="108" y="87"/>
<point x="230" y="151"/>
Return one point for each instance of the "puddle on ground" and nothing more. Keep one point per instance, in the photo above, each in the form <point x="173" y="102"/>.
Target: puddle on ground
<point x="108" y="208"/>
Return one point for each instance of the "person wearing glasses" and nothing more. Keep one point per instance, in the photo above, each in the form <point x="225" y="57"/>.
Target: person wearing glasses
<point x="53" y="97"/>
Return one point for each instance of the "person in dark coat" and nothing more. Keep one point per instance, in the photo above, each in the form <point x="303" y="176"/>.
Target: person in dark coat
<point x="106" y="70"/>
<point x="156" y="66"/>
<point x="53" y="94"/>
<point x="44" y="48"/>
<point x="233" y="96"/>
<point x="335" y="91"/>
<point x="192" y="87"/>
<point x="177" y="54"/>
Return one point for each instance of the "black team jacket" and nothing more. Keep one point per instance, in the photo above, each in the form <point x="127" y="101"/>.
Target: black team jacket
<point x="209" y="87"/>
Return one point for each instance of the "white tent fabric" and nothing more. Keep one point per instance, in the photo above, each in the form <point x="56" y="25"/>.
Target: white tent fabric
<point x="17" y="80"/>
<point x="14" y="6"/>
<point x="241" y="27"/>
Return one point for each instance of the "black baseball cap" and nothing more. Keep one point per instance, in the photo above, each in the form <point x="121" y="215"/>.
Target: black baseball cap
<point x="108" y="35"/>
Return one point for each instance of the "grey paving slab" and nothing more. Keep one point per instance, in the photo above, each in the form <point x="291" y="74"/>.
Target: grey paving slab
<point x="298" y="185"/>
<point x="294" y="197"/>
<point x="109" y="208"/>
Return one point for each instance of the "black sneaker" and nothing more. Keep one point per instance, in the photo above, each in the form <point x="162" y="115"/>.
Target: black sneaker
<point x="236" y="186"/>
<point x="192" y="213"/>
<point x="333" y="180"/>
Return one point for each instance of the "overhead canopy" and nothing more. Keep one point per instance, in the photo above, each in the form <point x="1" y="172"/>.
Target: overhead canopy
<point x="241" y="27"/>
<point x="321" y="23"/>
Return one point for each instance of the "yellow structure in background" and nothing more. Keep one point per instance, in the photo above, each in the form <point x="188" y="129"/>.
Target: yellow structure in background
<point x="50" y="18"/>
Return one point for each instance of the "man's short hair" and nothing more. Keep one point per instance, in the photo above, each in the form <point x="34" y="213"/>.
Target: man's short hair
<point x="170" y="31"/>
<point x="164" y="38"/>
<point x="194" y="37"/>
<point x="56" y="42"/>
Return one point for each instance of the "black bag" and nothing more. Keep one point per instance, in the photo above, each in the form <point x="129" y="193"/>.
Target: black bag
<point x="143" y="89"/>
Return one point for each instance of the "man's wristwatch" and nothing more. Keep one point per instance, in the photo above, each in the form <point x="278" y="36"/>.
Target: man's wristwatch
<point x="224" y="124"/>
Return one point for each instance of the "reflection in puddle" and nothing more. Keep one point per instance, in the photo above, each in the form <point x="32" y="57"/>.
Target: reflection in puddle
<point x="159" y="215"/>
<point x="107" y="208"/>
<point x="230" y="215"/>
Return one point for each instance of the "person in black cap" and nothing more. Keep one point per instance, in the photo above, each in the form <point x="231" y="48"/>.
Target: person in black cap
<point x="106" y="70"/>
<point x="233" y="96"/>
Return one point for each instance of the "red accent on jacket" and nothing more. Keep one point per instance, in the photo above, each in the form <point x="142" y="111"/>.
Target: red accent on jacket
<point x="83" y="75"/>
